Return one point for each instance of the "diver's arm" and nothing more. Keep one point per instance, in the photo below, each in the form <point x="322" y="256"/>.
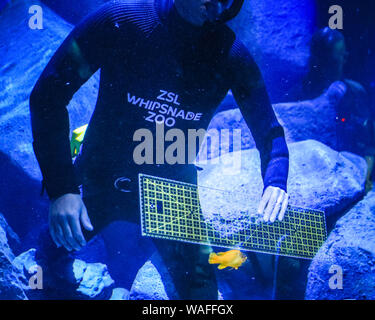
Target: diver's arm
<point x="80" y="55"/>
<point x="251" y="95"/>
<point x="72" y="65"/>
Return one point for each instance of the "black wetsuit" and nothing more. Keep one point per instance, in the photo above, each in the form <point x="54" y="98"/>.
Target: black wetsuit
<point x="144" y="50"/>
<point x="154" y="66"/>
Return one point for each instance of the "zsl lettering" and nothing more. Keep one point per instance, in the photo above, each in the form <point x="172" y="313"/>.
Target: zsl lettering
<point x="168" y="97"/>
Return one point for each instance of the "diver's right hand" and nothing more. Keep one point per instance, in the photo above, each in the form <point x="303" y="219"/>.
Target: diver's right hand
<point x="66" y="214"/>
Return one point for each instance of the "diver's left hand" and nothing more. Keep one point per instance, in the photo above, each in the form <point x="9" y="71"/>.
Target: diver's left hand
<point x="273" y="204"/>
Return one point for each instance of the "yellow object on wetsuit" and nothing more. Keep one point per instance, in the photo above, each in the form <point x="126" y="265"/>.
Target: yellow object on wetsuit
<point x="77" y="140"/>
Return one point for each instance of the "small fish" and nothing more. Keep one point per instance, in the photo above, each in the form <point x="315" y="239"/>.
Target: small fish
<point x="231" y="258"/>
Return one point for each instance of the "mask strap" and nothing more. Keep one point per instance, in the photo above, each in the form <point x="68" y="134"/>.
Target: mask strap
<point x="231" y="12"/>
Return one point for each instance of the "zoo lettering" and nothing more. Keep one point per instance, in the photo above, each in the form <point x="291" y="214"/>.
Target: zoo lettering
<point x="160" y="112"/>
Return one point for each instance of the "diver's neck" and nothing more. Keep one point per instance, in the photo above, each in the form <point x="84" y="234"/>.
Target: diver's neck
<point x="180" y="29"/>
<point x="182" y="12"/>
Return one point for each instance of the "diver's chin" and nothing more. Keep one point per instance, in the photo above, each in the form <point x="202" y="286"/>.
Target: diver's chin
<point x="210" y="23"/>
<point x="211" y="16"/>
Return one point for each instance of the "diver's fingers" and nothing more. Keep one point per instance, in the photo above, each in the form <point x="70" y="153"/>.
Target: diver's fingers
<point x="264" y="200"/>
<point x="271" y="203"/>
<point x="277" y="206"/>
<point x="85" y="220"/>
<point x="52" y="232"/>
<point x="60" y="236"/>
<point x="283" y="207"/>
<point x="75" y="227"/>
<point x="67" y="233"/>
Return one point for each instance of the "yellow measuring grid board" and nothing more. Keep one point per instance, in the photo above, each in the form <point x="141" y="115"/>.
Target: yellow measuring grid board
<point x="171" y="210"/>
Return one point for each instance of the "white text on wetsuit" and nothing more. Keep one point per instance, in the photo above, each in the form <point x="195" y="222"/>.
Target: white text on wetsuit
<point x="166" y="111"/>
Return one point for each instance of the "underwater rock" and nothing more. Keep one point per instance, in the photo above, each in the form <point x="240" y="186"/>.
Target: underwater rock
<point x="37" y="288"/>
<point x="73" y="11"/>
<point x="277" y="34"/>
<point x="131" y="251"/>
<point x="24" y="58"/>
<point x="301" y="120"/>
<point x="153" y="282"/>
<point x="26" y="265"/>
<point x="93" y="278"/>
<point x="5" y="249"/>
<point x="13" y="239"/>
<point x="120" y="294"/>
<point x="24" y="54"/>
<point x="230" y="189"/>
<point x="311" y="119"/>
<point x="3" y="4"/>
<point x="319" y="178"/>
<point x="226" y="120"/>
<point x="350" y="249"/>
<point x="148" y="284"/>
<point x="10" y="285"/>
<point x="26" y="260"/>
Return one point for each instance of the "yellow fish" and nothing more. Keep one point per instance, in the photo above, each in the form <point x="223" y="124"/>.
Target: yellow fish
<point x="231" y="258"/>
<point x="77" y="140"/>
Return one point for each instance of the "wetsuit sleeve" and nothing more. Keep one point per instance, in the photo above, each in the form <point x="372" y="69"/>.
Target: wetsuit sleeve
<point x="250" y="94"/>
<point x="80" y="55"/>
<point x="362" y="115"/>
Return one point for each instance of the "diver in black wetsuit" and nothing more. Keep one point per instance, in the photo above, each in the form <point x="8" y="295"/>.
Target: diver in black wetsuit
<point x="148" y="51"/>
<point x="354" y="126"/>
